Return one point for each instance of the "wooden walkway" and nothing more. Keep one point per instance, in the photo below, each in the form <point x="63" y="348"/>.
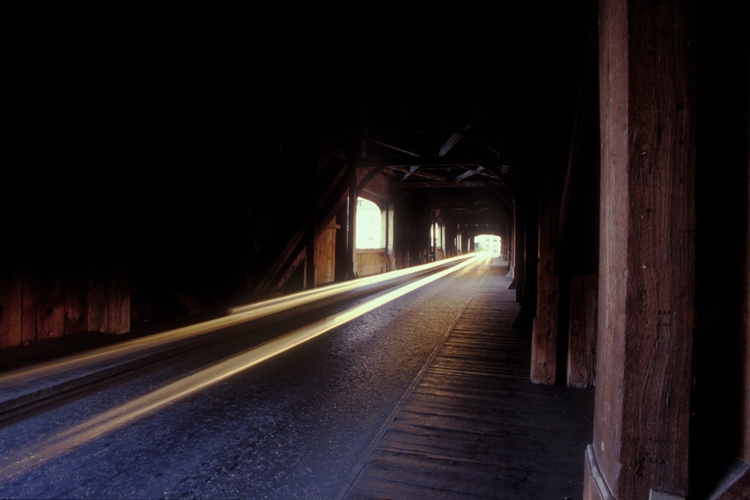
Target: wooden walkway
<point x="474" y="426"/>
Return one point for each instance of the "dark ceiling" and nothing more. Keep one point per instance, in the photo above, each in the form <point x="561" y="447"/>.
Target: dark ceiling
<point x="133" y="98"/>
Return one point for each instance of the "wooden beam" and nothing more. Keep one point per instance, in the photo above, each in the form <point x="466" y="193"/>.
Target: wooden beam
<point x="481" y="143"/>
<point x="449" y="184"/>
<point x="469" y="173"/>
<point x="452" y="141"/>
<point x="414" y="170"/>
<point x="299" y="251"/>
<point x="436" y="162"/>
<point x="271" y="279"/>
<point x="367" y="178"/>
<point x="407" y="172"/>
<point x="455" y="137"/>
<point x="394" y="147"/>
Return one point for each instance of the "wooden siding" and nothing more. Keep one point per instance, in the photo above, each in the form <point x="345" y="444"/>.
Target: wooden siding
<point x="371" y="262"/>
<point x="44" y="304"/>
<point x="325" y="256"/>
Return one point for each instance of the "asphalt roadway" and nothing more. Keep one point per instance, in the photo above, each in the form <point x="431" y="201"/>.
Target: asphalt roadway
<point x="294" y="426"/>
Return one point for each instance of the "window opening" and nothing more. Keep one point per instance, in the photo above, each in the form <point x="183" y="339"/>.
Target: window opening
<point x="369" y="228"/>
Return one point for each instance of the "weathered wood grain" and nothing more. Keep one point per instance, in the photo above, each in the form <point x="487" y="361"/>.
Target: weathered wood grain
<point x="582" y="331"/>
<point x="325" y="256"/>
<point x="11" y="307"/>
<point x="544" y="331"/>
<point x="30" y="303"/>
<point x="97" y="317"/>
<point x="76" y="306"/>
<point x="50" y="311"/>
<point x="647" y="258"/>
<point x="118" y="300"/>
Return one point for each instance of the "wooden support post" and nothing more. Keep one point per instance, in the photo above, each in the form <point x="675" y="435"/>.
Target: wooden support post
<point x="518" y="253"/>
<point x="529" y="263"/>
<point x="582" y="330"/>
<point x="647" y="255"/>
<point x="544" y="331"/>
<point x="50" y="311"/>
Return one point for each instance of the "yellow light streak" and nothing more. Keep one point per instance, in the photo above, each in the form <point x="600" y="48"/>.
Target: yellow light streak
<point x="140" y="407"/>
<point x="237" y="316"/>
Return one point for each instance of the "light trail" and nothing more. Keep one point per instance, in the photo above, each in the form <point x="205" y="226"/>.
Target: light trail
<point x="144" y="405"/>
<point x="237" y="316"/>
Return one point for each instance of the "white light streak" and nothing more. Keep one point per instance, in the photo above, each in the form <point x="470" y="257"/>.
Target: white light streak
<point x="156" y="400"/>
<point x="236" y="316"/>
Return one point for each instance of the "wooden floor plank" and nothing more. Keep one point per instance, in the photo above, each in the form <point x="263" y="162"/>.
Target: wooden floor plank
<point x="474" y="426"/>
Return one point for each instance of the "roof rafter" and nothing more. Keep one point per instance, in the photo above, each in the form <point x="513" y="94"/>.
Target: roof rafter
<point x="455" y="137"/>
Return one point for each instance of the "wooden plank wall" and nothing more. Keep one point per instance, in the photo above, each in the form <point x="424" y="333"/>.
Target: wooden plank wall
<point x="11" y="308"/>
<point x="371" y="262"/>
<point x="325" y="256"/>
<point x="46" y="303"/>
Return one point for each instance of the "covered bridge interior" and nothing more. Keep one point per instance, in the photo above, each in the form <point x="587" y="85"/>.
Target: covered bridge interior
<point x="172" y="159"/>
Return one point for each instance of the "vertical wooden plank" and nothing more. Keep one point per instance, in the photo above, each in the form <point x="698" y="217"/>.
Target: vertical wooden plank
<point x="613" y="112"/>
<point x="582" y="331"/>
<point x="11" y="308"/>
<point x="97" y="302"/>
<point x="544" y="330"/>
<point x="325" y="255"/>
<point x="75" y="301"/>
<point x="51" y="307"/>
<point x="30" y="300"/>
<point x="118" y="301"/>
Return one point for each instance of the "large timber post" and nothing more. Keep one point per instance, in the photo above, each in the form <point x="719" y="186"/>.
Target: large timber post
<point x="647" y="255"/>
<point x="518" y="251"/>
<point x="528" y="260"/>
<point x="544" y="330"/>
